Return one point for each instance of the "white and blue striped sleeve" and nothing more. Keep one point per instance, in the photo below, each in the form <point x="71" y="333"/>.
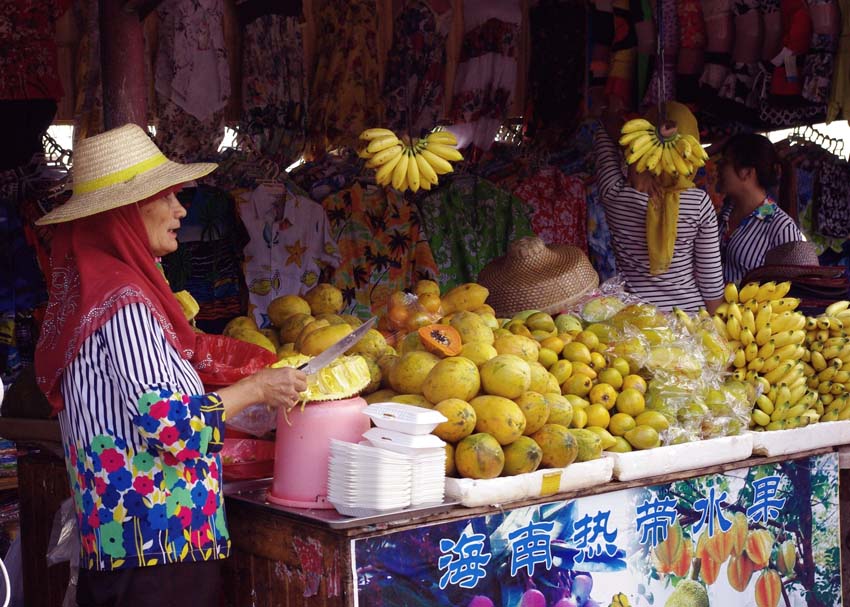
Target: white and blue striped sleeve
<point x="609" y="166"/>
<point x="161" y="389"/>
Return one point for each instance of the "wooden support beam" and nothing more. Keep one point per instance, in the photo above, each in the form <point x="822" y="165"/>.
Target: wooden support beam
<point x="122" y="60"/>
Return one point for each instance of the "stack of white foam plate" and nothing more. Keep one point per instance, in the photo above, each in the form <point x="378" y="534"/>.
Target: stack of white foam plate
<point x="364" y="480"/>
<point x="427" y="456"/>
<point x="404" y="418"/>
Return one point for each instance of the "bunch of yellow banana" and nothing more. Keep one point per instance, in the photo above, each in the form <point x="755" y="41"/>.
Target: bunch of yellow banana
<point x="828" y="363"/>
<point x="674" y="155"/>
<point x="767" y="335"/>
<point x="411" y="165"/>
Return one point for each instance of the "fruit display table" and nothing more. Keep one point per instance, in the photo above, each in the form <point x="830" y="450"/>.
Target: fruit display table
<point x="759" y="532"/>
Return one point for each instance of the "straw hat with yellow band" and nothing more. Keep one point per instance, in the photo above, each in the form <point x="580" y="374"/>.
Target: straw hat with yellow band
<point x="117" y="168"/>
<point x="662" y="210"/>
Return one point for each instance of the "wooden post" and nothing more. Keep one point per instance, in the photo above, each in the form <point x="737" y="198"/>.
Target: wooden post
<point x="122" y="59"/>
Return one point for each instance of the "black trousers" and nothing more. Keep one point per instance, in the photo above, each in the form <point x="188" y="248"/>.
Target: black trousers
<point x="172" y="585"/>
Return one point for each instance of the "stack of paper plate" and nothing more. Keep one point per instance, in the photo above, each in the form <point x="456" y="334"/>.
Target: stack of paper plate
<point x="363" y="479"/>
<point x="427" y="456"/>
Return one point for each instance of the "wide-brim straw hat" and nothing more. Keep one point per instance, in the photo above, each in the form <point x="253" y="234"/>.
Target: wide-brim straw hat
<point x="533" y="275"/>
<point x="117" y="168"/>
<point x="787" y="262"/>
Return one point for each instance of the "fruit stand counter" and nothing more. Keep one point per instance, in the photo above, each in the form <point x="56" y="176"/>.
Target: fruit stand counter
<point x="759" y="532"/>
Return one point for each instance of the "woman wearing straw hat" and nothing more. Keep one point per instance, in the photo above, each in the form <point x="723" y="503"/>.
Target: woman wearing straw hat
<point x="664" y="231"/>
<point x="116" y="359"/>
<point x="751" y="223"/>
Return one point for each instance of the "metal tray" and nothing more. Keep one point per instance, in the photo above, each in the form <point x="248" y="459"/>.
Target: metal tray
<point x="254" y="492"/>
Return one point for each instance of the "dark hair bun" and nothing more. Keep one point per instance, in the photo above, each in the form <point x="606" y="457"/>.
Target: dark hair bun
<point x="753" y="151"/>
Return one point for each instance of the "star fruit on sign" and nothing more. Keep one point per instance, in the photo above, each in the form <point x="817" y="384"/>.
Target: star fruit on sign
<point x="295" y="250"/>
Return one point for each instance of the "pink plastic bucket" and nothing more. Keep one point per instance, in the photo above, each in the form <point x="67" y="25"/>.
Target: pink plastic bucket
<point x="302" y="450"/>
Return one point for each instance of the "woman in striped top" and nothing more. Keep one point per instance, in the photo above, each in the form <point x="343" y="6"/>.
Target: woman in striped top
<point x="116" y="359"/>
<point x="751" y="223"/>
<point x="692" y="277"/>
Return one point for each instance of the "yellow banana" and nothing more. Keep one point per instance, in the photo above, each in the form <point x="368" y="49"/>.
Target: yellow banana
<point x="787" y="352"/>
<point x="774" y="375"/>
<point x="740" y="360"/>
<point x="722" y="311"/>
<point x="400" y="173"/>
<point x="384" y="156"/>
<point x="763" y="335"/>
<point x="785" y="304"/>
<point x="823" y="322"/>
<point x="370" y="134"/>
<point x="836" y="307"/>
<point x="751" y="351"/>
<point x="636" y="124"/>
<point x="412" y="172"/>
<point x="640" y="148"/>
<point x="720" y="326"/>
<point x="788" y="337"/>
<point x="755" y="364"/>
<point x="827" y="374"/>
<point x="760" y="417"/>
<point x="771" y="363"/>
<point x="782" y="289"/>
<point x="383" y="176"/>
<point x="811" y="323"/>
<point x="426" y="171"/>
<point x="653" y="157"/>
<point x="667" y="161"/>
<point x="442" y="136"/>
<point x="766" y="291"/>
<point x="382" y="143"/>
<point x="767" y="349"/>
<point x="441" y="165"/>
<point x="733" y="328"/>
<point x="739" y="374"/>
<point x="746" y="336"/>
<point x="748" y="292"/>
<point x="444" y="151"/>
<point x="629" y="138"/>
<point x="730" y="293"/>
<point x="764" y="403"/>
<point x="683" y="167"/>
<point x="763" y="315"/>
<point x="734" y="309"/>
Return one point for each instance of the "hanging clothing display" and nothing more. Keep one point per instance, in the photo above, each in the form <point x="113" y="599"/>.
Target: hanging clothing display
<point x="839" y="97"/>
<point x="192" y="79"/>
<point x="469" y="222"/>
<point x="416" y="68"/>
<point x="556" y="73"/>
<point x="290" y="243"/>
<point x="344" y="91"/>
<point x="487" y="70"/>
<point x="819" y="62"/>
<point x="381" y="244"/>
<point x="557" y="204"/>
<point x="28" y="62"/>
<point x="274" y="89"/>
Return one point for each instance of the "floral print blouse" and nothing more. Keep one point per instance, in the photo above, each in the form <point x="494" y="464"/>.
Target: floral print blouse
<point x="142" y="445"/>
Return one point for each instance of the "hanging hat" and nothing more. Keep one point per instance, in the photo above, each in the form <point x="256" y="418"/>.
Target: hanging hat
<point x="117" y="168"/>
<point x="533" y="275"/>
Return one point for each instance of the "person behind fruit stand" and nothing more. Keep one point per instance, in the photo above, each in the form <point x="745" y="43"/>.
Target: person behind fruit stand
<point x="751" y="223"/>
<point x="663" y="229"/>
<point x="116" y="359"/>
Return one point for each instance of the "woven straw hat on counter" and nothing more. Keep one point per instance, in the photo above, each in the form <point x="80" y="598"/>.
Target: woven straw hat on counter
<point x="533" y="275"/>
<point x="120" y="167"/>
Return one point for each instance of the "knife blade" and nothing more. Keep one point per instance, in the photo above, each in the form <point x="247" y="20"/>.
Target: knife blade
<point x="328" y="356"/>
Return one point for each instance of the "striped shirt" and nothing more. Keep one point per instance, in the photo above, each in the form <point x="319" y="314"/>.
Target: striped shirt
<point x="695" y="273"/>
<point x="141" y="444"/>
<point x="744" y="248"/>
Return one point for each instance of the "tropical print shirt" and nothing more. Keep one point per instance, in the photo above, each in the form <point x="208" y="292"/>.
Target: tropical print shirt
<point x="142" y="444"/>
<point x="381" y="244"/>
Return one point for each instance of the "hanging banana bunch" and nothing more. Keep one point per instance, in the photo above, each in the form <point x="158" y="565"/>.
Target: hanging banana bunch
<point x="661" y="150"/>
<point x="409" y="164"/>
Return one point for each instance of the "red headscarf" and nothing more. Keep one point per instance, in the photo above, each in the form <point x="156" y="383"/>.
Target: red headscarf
<point x="99" y="264"/>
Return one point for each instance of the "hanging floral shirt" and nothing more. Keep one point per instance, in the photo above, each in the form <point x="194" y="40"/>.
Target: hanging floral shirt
<point x="416" y="68"/>
<point x="470" y="222"/>
<point x="290" y="243"/>
<point x="344" y="92"/>
<point x="558" y="205"/>
<point x="382" y="246"/>
<point x="142" y="445"/>
<point x="28" y="61"/>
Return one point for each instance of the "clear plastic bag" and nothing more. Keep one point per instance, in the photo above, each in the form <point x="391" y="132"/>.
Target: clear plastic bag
<point x="257" y="420"/>
<point x="64" y="545"/>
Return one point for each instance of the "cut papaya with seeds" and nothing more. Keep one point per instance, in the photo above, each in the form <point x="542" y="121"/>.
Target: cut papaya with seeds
<point x="443" y="340"/>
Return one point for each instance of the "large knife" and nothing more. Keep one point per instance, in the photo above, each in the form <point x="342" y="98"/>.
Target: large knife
<point x="328" y="356"/>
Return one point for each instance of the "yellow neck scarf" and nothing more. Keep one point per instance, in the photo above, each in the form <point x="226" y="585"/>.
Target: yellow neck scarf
<point x="662" y="209"/>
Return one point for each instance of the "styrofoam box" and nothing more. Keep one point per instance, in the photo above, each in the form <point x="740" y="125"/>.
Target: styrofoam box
<point x="404" y="443"/>
<point x="814" y="436"/>
<point x="471" y="492"/>
<point x="404" y="418"/>
<point x="678" y="458"/>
